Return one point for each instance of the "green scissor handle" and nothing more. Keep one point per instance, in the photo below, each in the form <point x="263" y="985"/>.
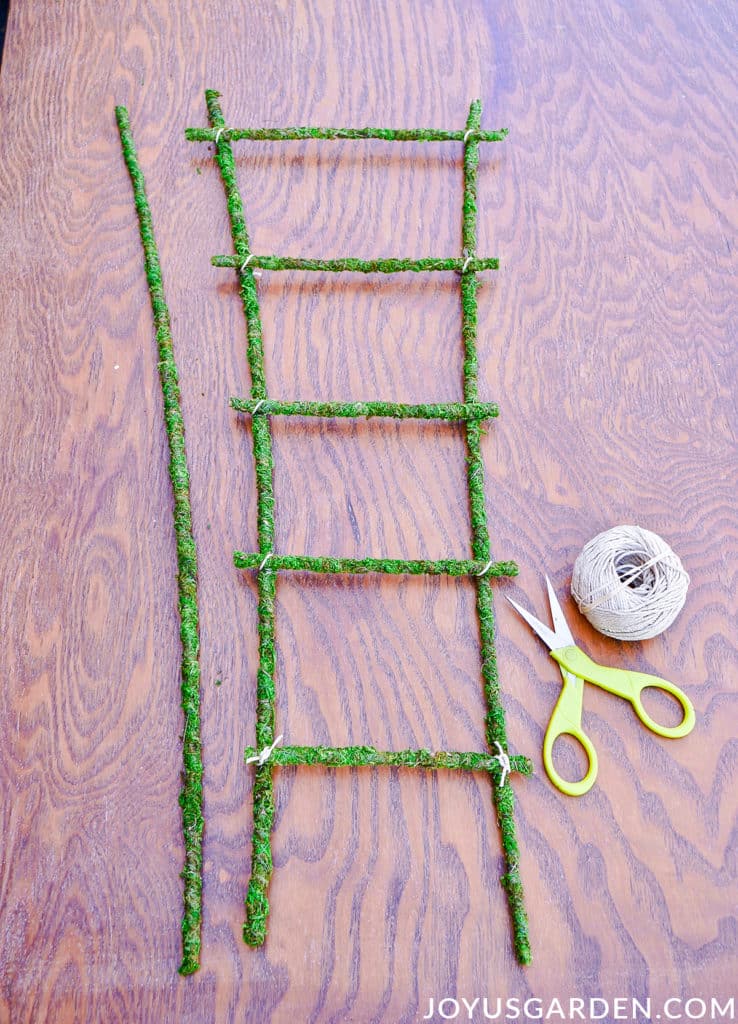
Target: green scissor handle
<point x="628" y="685"/>
<point x="566" y="720"/>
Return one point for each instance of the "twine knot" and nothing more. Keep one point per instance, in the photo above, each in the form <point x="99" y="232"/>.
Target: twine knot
<point x="486" y="569"/>
<point x="504" y="762"/>
<point x="266" y="558"/>
<point x="251" y="256"/>
<point x="266" y="753"/>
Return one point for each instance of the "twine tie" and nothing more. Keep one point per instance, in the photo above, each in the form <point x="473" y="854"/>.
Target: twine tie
<point x="504" y="762"/>
<point x="249" y="258"/>
<point x="266" y="753"/>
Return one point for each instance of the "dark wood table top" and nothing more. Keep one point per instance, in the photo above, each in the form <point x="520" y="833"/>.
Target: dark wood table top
<point x="608" y="337"/>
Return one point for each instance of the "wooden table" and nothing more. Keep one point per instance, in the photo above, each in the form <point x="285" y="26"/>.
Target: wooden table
<point x="608" y="338"/>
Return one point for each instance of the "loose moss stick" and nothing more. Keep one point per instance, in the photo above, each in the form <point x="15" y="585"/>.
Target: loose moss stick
<point x="190" y="798"/>
<point x="286" y="134"/>
<point x="257" y="903"/>
<point x="368" y="757"/>
<point x="394" y="410"/>
<point x="391" y="566"/>
<point x="495" y="718"/>
<point x="356" y="266"/>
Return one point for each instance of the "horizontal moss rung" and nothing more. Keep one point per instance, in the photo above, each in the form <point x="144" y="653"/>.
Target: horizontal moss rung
<point x="368" y="757"/>
<point x="387" y="265"/>
<point x="302" y="133"/>
<point x="454" y="411"/>
<point x="392" y="566"/>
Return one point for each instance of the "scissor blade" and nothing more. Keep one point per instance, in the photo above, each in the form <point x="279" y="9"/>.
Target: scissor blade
<point x="547" y="635"/>
<point x="561" y="626"/>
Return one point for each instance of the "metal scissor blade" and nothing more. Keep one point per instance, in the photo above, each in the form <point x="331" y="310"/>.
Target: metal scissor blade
<point x="549" y="638"/>
<point x="561" y="626"/>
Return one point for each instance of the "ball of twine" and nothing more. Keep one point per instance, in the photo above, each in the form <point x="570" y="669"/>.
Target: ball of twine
<point x="629" y="583"/>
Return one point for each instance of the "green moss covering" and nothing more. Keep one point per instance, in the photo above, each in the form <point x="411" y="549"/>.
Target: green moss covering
<point x="394" y="410"/>
<point x="190" y="798"/>
<point x="503" y="796"/>
<point x="351" y="265"/>
<point x="223" y="134"/>
<point x="392" y="566"/>
<point x="368" y="757"/>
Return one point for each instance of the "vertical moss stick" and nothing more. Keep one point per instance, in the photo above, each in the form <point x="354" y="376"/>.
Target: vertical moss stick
<point x="495" y="716"/>
<point x="190" y="798"/>
<point x="257" y="902"/>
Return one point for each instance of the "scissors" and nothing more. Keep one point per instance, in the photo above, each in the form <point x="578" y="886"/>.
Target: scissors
<point x="577" y="668"/>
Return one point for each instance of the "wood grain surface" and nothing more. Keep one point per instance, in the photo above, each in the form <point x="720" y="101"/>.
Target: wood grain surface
<point x="609" y="339"/>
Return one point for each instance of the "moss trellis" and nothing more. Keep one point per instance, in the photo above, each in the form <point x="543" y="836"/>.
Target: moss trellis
<point x="481" y="569"/>
<point x="268" y="563"/>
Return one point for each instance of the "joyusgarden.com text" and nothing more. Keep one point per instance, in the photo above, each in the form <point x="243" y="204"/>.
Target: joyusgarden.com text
<point x="580" y="1009"/>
